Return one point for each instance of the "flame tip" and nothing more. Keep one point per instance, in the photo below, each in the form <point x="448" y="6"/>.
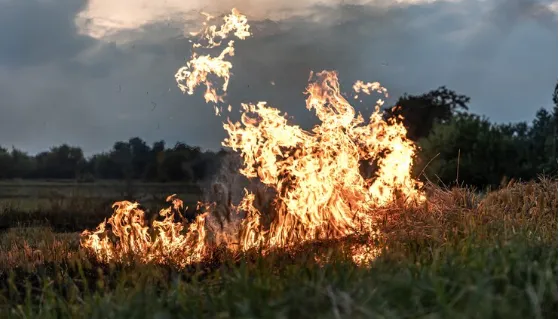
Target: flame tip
<point x="314" y="187"/>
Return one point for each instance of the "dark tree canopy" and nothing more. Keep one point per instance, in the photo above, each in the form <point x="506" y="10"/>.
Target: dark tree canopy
<point x="459" y="147"/>
<point x="555" y="96"/>
<point x="470" y="149"/>
<point x="421" y="112"/>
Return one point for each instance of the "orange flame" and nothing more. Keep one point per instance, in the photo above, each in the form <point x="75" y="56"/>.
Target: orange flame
<point x="197" y="70"/>
<point x="320" y="189"/>
<point x="164" y="241"/>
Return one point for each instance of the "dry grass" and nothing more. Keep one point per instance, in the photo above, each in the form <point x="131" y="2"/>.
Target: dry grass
<point x="451" y="215"/>
<point x="30" y="247"/>
<point x="447" y="218"/>
<point x="460" y="255"/>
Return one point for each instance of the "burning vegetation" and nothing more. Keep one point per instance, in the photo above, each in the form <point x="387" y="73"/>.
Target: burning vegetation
<point x="312" y="182"/>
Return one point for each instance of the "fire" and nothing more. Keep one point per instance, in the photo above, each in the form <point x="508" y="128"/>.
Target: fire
<point x="165" y="241"/>
<point x="316" y="175"/>
<point x="316" y="178"/>
<point x="197" y="70"/>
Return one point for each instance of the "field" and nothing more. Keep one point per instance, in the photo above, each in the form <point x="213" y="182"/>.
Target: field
<point x="462" y="255"/>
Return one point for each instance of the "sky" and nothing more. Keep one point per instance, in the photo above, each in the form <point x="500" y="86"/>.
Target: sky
<point x="89" y="73"/>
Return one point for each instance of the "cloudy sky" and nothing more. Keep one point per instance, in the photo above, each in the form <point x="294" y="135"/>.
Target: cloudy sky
<point x="89" y="73"/>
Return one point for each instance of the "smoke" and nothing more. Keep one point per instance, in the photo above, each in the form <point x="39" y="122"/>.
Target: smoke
<point x="225" y="186"/>
<point x="224" y="191"/>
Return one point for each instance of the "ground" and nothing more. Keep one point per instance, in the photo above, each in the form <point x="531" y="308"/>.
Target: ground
<point x="461" y="255"/>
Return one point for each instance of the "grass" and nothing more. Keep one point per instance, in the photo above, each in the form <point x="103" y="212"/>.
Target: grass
<point x="69" y="206"/>
<point x="462" y="255"/>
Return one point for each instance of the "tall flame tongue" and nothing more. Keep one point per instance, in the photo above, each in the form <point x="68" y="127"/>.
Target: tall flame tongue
<point x="316" y="176"/>
<point x="197" y="70"/>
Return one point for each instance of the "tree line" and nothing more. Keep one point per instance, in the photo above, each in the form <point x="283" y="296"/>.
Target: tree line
<point x="127" y="160"/>
<point x="455" y="146"/>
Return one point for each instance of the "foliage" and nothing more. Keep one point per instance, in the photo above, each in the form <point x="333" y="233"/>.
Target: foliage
<point x="421" y="112"/>
<point x="132" y="160"/>
<point x="455" y="146"/>
<point x="472" y="150"/>
<point x="460" y="256"/>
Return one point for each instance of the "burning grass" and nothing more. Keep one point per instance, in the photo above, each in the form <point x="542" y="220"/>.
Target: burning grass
<point x="314" y="186"/>
<point x="446" y="218"/>
<point x="459" y="255"/>
<point x="311" y="235"/>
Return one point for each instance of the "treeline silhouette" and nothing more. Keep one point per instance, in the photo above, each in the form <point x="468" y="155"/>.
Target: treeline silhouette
<point x="459" y="147"/>
<point x="133" y="159"/>
<point x="455" y="146"/>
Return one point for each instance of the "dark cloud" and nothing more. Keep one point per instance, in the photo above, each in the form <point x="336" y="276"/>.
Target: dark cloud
<point x="89" y="92"/>
<point x="34" y="32"/>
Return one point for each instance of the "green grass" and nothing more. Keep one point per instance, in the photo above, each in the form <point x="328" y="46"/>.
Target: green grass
<point x="459" y="256"/>
<point x="70" y="206"/>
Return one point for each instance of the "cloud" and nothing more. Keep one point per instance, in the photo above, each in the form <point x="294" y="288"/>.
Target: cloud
<point x="92" y="73"/>
<point x="36" y="32"/>
<point x="107" y="18"/>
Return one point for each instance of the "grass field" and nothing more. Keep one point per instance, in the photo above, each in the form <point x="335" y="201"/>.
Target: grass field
<point x="459" y="256"/>
<point x="71" y="206"/>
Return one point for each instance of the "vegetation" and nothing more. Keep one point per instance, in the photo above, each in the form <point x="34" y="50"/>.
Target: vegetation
<point x="455" y="146"/>
<point x="461" y="256"/>
<point x="464" y="254"/>
<point x="470" y="149"/>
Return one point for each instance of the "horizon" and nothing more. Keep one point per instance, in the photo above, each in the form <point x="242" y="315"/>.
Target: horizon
<point x="89" y="74"/>
<point x="170" y="144"/>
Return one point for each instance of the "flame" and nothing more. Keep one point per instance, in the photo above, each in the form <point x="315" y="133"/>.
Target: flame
<point x="319" y="190"/>
<point x="164" y="241"/>
<point x="368" y="88"/>
<point x="199" y="67"/>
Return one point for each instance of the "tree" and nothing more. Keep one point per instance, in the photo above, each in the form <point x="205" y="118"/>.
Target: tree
<point x="178" y="161"/>
<point x="62" y="161"/>
<point x="104" y="167"/>
<point x="140" y="152"/>
<point x="5" y="163"/>
<point x="469" y="149"/>
<point x="23" y="165"/>
<point x="121" y="155"/>
<point x="421" y="112"/>
<point x="153" y="171"/>
<point x="555" y="95"/>
<point x="543" y="142"/>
